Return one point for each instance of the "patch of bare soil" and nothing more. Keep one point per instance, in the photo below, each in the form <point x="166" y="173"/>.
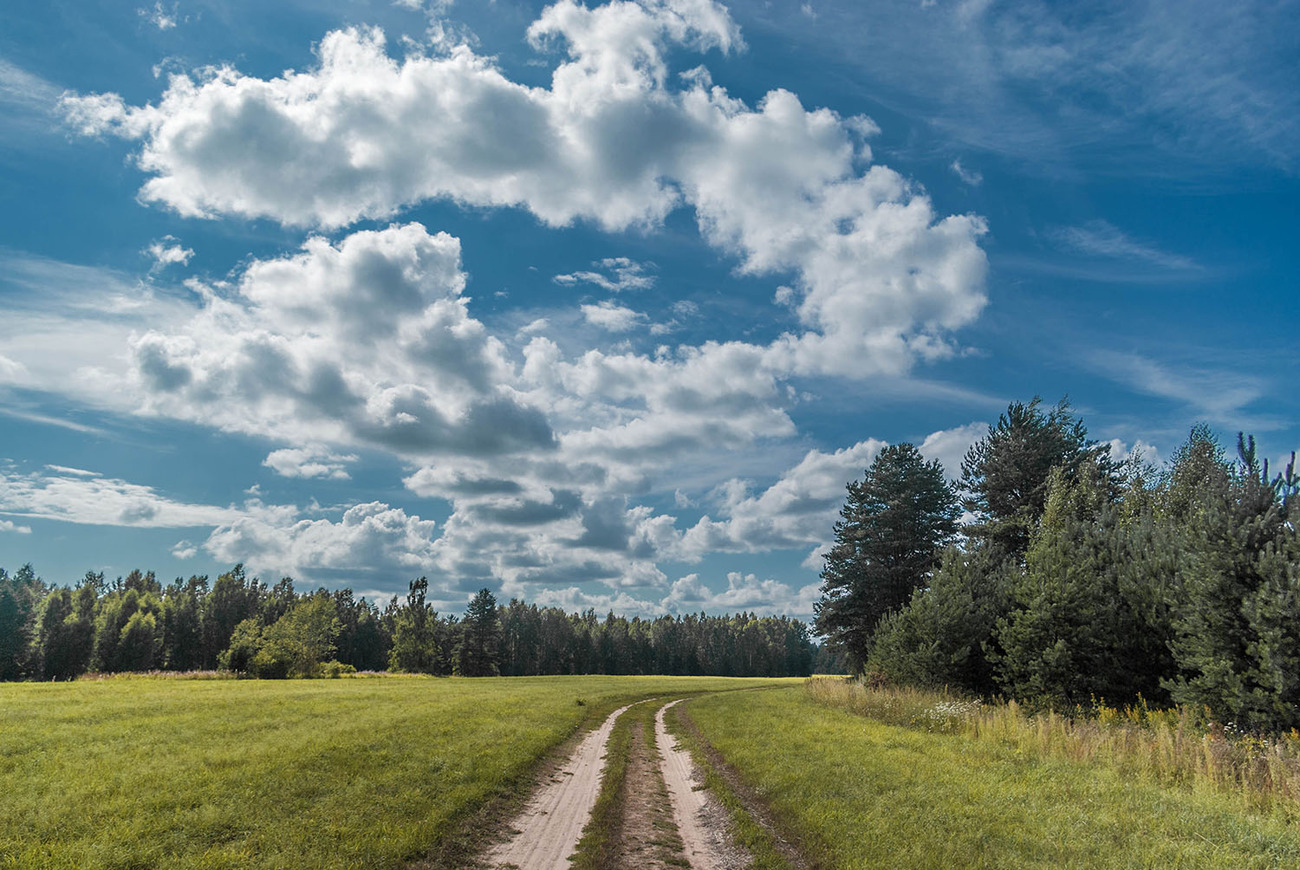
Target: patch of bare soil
<point x="700" y="821"/>
<point x="551" y="824"/>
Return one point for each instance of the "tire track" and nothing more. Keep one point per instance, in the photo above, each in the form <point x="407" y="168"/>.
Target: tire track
<point x="701" y="822"/>
<point x="551" y="824"/>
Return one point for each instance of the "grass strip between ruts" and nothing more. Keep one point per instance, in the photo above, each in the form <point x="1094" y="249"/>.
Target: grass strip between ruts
<point x="600" y="836"/>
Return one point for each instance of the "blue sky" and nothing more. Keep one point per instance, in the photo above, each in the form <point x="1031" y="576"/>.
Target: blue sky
<point x="603" y="305"/>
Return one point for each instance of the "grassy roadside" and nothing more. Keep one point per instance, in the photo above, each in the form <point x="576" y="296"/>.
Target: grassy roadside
<point x="757" y="839"/>
<point x="1166" y="746"/>
<point x="376" y="773"/>
<point x="873" y="795"/>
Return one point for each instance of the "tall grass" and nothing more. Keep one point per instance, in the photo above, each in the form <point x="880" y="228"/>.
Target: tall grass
<point x="1180" y="746"/>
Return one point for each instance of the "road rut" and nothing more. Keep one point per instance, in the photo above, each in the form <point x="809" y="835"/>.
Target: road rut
<point x="552" y="822"/>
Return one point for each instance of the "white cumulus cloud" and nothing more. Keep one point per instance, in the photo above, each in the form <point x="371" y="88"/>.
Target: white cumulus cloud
<point x="883" y="279"/>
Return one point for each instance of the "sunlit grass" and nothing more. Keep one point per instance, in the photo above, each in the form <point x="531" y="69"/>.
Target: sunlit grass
<point x="866" y="794"/>
<point x="1169" y="746"/>
<point x="137" y="773"/>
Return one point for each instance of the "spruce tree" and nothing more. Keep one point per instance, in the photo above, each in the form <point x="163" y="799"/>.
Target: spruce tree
<point x="1237" y="604"/>
<point x="480" y="638"/>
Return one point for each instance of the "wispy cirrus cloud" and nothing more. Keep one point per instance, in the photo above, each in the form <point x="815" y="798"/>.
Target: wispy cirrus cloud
<point x="1122" y="87"/>
<point x="1100" y="238"/>
<point x="1216" y="394"/>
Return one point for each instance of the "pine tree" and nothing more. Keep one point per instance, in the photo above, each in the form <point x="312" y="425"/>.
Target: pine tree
<point x="1080" y="627"/>
<point x="1237" y="604"/>
<point x="943" y="636"/>
<point x="480" y="638"/>
<point x="892" y="530"/>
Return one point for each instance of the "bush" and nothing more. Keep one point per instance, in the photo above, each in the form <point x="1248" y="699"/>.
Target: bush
<point x="334" y="669"/>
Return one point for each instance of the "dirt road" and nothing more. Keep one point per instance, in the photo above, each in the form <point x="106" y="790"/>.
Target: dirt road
<point x="552" y="823"/>
<point x="700" y="821"/>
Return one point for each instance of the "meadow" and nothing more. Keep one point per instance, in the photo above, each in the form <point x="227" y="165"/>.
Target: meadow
<point x="138" y="772"/>
<point x="858" y="792"/>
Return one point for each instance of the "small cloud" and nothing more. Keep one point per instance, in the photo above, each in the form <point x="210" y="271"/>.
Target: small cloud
<point x="620" y="273"/>
<point x="160" y="17"/>
<point x="167" y="252"/>
<point x="1121" y="452"/>
<point x="11" y="370"/>
<point x="1101" y="238"/>
<point x="806" y="9"/>
<point x="78" y="472"/>
<point x="949" y="446"/>
<point x="308" y="462"/>
<point x="11" y="526"/>
<point x="536" y="326"/>
<point x="611" y="317"/>
<point x="969" y="177"/>
<point x="185" y="550"/>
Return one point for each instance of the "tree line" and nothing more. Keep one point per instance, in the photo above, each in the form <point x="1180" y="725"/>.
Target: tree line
<point x="240" y="624"/>
<point x="1075" y="577"/>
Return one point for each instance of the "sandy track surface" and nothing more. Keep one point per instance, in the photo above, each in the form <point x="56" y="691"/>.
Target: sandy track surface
<point x="552" y="822"/>
<point x="700" y="820"/>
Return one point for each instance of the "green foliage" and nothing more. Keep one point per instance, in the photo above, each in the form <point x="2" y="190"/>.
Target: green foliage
<point x="415" y="639"/>
<point x="20" y="598"/>
<point x="305" y="634"/>
<point x="941" y="637"/>
<point x="479" y="652"/>
<point x="295" y="645"/>
<point x="245" y="641"/>
<point x="1006" y="474"/>
<point x="1237" y="605"/>
<point x="127" y="632"/>
<point x="97" y="626"/>
<point x="66" y="629"/>
<point x="893" y="527"/>
<point x="1079" y="629"/>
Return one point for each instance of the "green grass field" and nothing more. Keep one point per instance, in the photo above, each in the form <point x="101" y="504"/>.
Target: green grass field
<point x="867" y="795"/>
<point x="142" y="773"/>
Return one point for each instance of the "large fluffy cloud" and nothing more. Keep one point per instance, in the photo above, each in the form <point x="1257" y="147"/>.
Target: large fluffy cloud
<point x="370" y="541"/>
<point x="787" y="190"/>
<point x="366" y="342"/>
<point x="547" y="455"/>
